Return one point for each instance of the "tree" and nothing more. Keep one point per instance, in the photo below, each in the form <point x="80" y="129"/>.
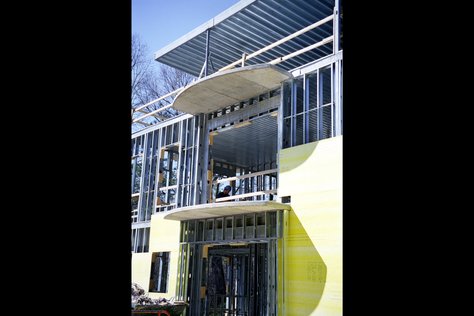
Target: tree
<point x="149" y="84"/>
<point x="141" y="71"/>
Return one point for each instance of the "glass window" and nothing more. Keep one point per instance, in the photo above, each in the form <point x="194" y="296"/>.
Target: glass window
<point x="299" y="95"/>
<point x="308" y="114"/>
<point x="313" y="91"/>
<point x="325" y="84"/>
<point x="140" y="239"/>
<point x="286" y="99"/>
<point x="159" y="272"/>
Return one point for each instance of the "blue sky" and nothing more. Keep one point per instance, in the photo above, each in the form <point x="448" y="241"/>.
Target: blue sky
<point x="160" y="22"/>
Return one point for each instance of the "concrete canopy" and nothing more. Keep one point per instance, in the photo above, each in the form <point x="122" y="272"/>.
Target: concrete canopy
<point x="223" y="209"/>
<point x="228" y="87"/>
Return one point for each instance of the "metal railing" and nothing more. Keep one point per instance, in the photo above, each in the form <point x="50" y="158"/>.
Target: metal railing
<point x="261" y="185"/>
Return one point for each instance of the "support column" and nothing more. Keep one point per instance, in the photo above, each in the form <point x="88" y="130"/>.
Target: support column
<point x="206" y="61"/>
<point x="336" y="27"/>
<point x="203" y="159"/>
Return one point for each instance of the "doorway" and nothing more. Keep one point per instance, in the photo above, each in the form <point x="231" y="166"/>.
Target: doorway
<point x="236" y="280"/>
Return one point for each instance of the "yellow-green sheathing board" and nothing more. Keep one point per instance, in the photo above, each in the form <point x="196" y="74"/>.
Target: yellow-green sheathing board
<point x="312" y="175"/>
<point x="164" y="236"/>
<point x="141" y="266"/>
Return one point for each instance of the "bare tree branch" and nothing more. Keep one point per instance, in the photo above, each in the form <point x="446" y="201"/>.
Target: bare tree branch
<point x="140" y="70"/>
<point x="149" y="85"/>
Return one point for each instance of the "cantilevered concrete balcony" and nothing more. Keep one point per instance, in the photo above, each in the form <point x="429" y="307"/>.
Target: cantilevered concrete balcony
<point x="228" y="87"/>
<point x="211" y="210"/>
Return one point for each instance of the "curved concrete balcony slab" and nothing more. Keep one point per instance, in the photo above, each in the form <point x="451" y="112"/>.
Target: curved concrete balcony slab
<point x="223" y="209"/>
<point x="229" y="87"/>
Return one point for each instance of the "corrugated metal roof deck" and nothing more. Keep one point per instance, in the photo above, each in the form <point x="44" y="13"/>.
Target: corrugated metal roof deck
<point x="248" y="26"/>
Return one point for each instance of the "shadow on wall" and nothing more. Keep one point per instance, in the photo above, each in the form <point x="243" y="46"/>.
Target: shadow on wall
<point x="306" y="271"/>
<point x="291" y="158"/>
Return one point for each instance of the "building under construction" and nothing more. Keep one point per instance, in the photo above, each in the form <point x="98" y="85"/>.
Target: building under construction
<point x="263" y="116"/>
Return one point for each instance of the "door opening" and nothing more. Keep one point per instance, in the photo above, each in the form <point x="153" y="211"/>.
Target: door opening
<point x="237" y="280"/>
